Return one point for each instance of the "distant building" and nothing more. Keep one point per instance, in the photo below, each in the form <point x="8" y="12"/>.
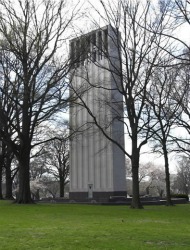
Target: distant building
<point x="97" y="166"/>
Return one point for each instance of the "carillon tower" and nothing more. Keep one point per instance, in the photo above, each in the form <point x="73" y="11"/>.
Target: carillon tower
<point x="97" y="165"/>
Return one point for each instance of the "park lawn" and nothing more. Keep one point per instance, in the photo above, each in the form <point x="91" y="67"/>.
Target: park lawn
<point x="74" y="226"/>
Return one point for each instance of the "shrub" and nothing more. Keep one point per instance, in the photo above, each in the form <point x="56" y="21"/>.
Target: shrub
<point x="180" y="196"/>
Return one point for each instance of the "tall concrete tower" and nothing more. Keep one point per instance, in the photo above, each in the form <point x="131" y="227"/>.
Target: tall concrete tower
<point x="97" y="165"/>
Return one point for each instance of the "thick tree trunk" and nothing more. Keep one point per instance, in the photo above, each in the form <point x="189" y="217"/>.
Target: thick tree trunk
<point x="61" y="186"/>
<point x="168" y="194"/>
<point x="9" y="181"/>
<point x="24" y="193"/>
<point x="136" y="203"/>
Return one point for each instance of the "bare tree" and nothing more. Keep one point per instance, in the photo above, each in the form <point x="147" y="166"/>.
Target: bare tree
<point x="7" y="109"/>
<point x="32" y="32"/>
<point x="56" y="159"/>
<point x="166" y="110"/>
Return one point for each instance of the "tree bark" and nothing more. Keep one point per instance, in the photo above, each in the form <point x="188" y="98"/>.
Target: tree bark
<point x="168" y="194"/>
<point x="61" y="185"/>
<point x="136" y="203"/>
<point x="9" y="181"/>
<point x="24" y="193"/>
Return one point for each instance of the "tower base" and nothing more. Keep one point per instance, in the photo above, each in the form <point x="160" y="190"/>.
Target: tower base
<point x="97" y="196"/>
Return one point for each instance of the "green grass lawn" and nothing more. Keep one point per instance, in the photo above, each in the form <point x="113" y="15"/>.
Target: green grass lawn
<point x="72" y="226"/>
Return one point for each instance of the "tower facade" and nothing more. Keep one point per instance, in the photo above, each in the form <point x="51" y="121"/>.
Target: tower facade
<point x="97" y="164"/>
